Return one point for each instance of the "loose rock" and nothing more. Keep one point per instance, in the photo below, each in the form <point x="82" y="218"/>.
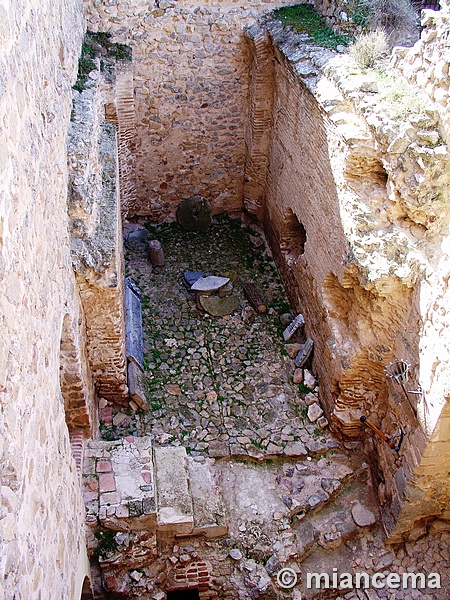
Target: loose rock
<point x="362" y="516"/>
<point x="314" y="412"/>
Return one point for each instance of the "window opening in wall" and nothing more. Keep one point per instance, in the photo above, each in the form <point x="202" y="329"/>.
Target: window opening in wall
<point x="293" y="236"/>
<point x="183" y="595"/>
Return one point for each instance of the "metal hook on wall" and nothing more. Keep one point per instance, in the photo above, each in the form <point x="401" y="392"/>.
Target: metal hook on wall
<point x="398" y="371"/>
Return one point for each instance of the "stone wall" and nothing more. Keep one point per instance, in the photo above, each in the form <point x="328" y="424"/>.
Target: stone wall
<point x="190" y="73"/>
<point x="362" y="181"/>
<point x="96" y="235"/>
<point x="427" y="63"/>
<point x="42" y="548"/>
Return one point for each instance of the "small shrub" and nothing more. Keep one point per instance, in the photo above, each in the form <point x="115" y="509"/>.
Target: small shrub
<point x="398" y="18"/>
<point x="391" y="15"/>
<point x="106" y="543"/>
<point x="369" y="47"/>
<point x="401" y="98"/>
<point x="304" y="389"/>
<point x="94" y="46"/>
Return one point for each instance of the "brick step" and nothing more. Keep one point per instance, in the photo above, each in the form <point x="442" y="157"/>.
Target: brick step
<point x="132" y="486"/>
<point x="119" y="484"/>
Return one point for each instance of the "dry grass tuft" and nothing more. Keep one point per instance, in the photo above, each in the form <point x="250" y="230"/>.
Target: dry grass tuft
<point x="369" y="47"/>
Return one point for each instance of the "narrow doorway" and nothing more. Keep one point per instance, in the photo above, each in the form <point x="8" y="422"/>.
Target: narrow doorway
<point x="183" y="595"/>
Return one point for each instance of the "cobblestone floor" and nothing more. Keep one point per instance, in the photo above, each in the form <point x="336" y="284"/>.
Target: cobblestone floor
<point x="219" y="385"/>
<point x="223" y="387"/>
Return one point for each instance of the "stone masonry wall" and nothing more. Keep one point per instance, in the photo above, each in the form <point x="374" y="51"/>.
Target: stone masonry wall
<point x="190" y="69"/>
<point x="42" y="547"/>
<point x="96" y="240"/>
<point x="427" y="63"/>
<point x="354" y="177"/>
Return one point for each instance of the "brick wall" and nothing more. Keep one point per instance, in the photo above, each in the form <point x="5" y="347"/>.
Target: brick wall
<point x="337" y="173"/>
<point x="96" y="235"/>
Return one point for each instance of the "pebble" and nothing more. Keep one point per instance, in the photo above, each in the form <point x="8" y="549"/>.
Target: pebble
<point x="235" y="554"/>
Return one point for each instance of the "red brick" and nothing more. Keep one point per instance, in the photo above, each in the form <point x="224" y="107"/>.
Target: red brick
<point x="89" y="496"/>
<point x="103" y="466"/>
<point x="107" y="482"/>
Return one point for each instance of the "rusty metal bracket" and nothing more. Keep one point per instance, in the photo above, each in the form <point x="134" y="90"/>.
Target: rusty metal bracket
<point x="391" y="441"/>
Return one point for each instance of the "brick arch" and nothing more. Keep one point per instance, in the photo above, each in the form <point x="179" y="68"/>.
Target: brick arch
<point x="193" y="575"/>
<point x="86" y="592"/>
<point x="75" y="378"/>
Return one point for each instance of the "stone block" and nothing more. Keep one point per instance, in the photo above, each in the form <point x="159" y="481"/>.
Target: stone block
<point x="133" y="320"/>
<point x="173" y="501"/>
<point x="304" y="353"/>
<point x="208" y="506"/>
<point x="293" y="326"/>
<point x="135" y="385"/>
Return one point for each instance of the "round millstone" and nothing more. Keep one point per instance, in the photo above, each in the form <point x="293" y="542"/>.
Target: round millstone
<point x="219" y="307"/>
<point x="194" y="214"/>
<point x="209" y="284"/>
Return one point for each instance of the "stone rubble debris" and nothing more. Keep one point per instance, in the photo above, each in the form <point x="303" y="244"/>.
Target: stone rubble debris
<point x="223" y="389"/>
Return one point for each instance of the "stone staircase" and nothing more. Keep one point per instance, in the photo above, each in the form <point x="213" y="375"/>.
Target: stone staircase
<point x="132" y="486"/>
<point x="188" y="500"/>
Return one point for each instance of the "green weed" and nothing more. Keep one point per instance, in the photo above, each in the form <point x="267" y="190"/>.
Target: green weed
<point x="304" y="389"/>
<point x="106" y="543"/>
<point x="304" y="19"/>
